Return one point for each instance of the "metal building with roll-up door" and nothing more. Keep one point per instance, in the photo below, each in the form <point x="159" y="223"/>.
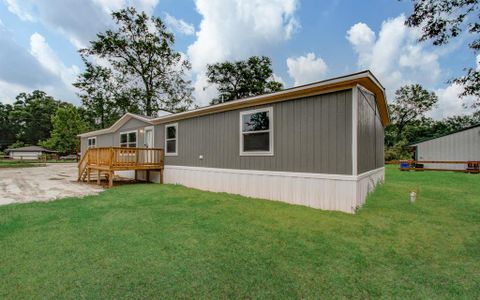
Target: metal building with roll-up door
<point x="462" y="145"/>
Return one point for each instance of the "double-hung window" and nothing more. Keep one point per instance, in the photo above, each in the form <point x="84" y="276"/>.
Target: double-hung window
<point x="92" y="142"/>
<point x="256" y="132"/>
<point x="171" y="139"/>
<point x="128" y="139"/>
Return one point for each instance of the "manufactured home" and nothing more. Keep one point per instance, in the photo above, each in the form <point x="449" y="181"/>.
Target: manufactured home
<point x="459" y="146"/>
<point x="28" y="153"/>
<point x="319" y="145"/>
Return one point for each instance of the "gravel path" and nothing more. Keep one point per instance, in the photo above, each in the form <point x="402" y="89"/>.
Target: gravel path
<point x="55" y="181"/>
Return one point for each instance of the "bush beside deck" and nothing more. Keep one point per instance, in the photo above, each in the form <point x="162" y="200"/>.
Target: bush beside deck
<point x="166" y="241"/>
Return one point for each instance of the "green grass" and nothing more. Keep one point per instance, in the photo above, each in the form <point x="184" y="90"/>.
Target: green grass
<point x="10" y="163"/>
<point x="19" y="164"/>
<point x="165" y="241"/>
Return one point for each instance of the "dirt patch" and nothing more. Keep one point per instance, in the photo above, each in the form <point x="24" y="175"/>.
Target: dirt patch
<point x="51" y="182"/>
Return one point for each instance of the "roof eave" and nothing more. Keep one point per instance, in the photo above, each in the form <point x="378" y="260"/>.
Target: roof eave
<point x="117" y="125"/>
<point x="326" y="86"/>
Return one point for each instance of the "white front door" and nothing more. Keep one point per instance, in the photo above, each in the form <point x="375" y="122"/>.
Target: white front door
<point x="148" y="141"/>
<point x="149" y="137"/>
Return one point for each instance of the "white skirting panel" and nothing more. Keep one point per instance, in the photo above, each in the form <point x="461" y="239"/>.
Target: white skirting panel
<point x="366" y="183"/>
<point x="323" y="191"/>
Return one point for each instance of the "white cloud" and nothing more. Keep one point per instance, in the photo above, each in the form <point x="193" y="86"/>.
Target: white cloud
<point x="395" y="56"/>
<point x="236" y="29"/>
<point x="24" y="71"/>
<point x="363" y="39"/>
<point x="8" y="91"/>
<point x="40" y="49"/>
<point x="306" y="69"/>
<point x="78" y="21"/>
<point x="113" y="5"/>
<point x="450" y="104"/>
<point x="179" y="25"/>
<point x="15" y="8"/>
<point x="278" y="78"/>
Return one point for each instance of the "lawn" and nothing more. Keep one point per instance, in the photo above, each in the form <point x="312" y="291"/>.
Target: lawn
<point x="165" y="241"/>
<point x="10" y="163"/>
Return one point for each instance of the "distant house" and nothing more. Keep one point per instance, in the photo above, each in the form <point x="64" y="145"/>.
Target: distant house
<point x="461" y="145"/>
<point x="319" y="145"/>
<point x="29" y="152"/>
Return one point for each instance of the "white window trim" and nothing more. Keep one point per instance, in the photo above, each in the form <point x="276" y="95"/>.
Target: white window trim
<point x="270" y="117"/>
<point x="145" y="136"/>
<point x="88" y="142"/>
<point x="127" y="132"/>
<point x="176" y="139"/>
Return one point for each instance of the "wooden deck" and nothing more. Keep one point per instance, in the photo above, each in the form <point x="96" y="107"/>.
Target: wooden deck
<point x="105" y="161"/>
<point x="418" y="165"/>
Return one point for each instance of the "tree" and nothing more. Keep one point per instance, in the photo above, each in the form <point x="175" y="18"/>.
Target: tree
<point x="140" y="52"/>
<point x="31" y="116"/>
<point x="7" y="127"/>
<point x="442" y="20"/>
<point x="240" y="79"/>
<point x="410" y="105"/>
<point x="67" y="123"/>
<point x="103" y="97"/>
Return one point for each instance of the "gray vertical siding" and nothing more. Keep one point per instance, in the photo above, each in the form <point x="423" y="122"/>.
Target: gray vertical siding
<point x="113" y="139"/>
<point x="313" y="134"/>
<point x="370" y="151"/>
<point x="460" y="146"/>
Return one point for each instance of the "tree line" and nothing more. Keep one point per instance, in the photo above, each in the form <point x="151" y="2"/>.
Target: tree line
<point x="134" y="68"/>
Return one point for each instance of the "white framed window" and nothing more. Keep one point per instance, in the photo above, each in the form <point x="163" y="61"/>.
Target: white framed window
<point x="128" y="139"/>
<point x="92" y="142"/>
<point x="256" y="132"/>
<point x="171" y="139"/>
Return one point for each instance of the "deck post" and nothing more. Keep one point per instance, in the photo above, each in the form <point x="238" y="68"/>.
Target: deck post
<point x="98" y="177"/>
<point x="148" y="175"/>
<point x="161" y="176"/>
<point x="110" y="179"/>
<point x="88" y="174"/>
<point x="136" y="175"/>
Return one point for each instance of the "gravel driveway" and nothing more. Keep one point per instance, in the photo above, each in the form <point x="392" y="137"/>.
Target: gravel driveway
<point x="58" y="180"/>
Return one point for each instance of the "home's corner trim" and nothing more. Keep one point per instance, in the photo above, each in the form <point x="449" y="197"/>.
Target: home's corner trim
<point x="354" y="130"/>
<point x="364" y="89"/>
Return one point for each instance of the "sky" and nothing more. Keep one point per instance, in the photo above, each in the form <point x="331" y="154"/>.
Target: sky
<point x="307" y="41"/>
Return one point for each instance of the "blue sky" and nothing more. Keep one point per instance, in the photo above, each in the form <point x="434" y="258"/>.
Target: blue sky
<point x="307" y="41"/>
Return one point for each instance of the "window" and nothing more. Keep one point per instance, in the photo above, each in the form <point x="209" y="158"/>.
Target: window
<point x="171" y="141"/>
<point x="128" y="139"/>
<point x="92" y="142"/>
<point x="256" y="132"/>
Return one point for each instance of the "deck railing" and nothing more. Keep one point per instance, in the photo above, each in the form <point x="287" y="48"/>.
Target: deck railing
<point x="124" y="157"/>
<point x="120" y="158"/>
<point x="440" y="165"/>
